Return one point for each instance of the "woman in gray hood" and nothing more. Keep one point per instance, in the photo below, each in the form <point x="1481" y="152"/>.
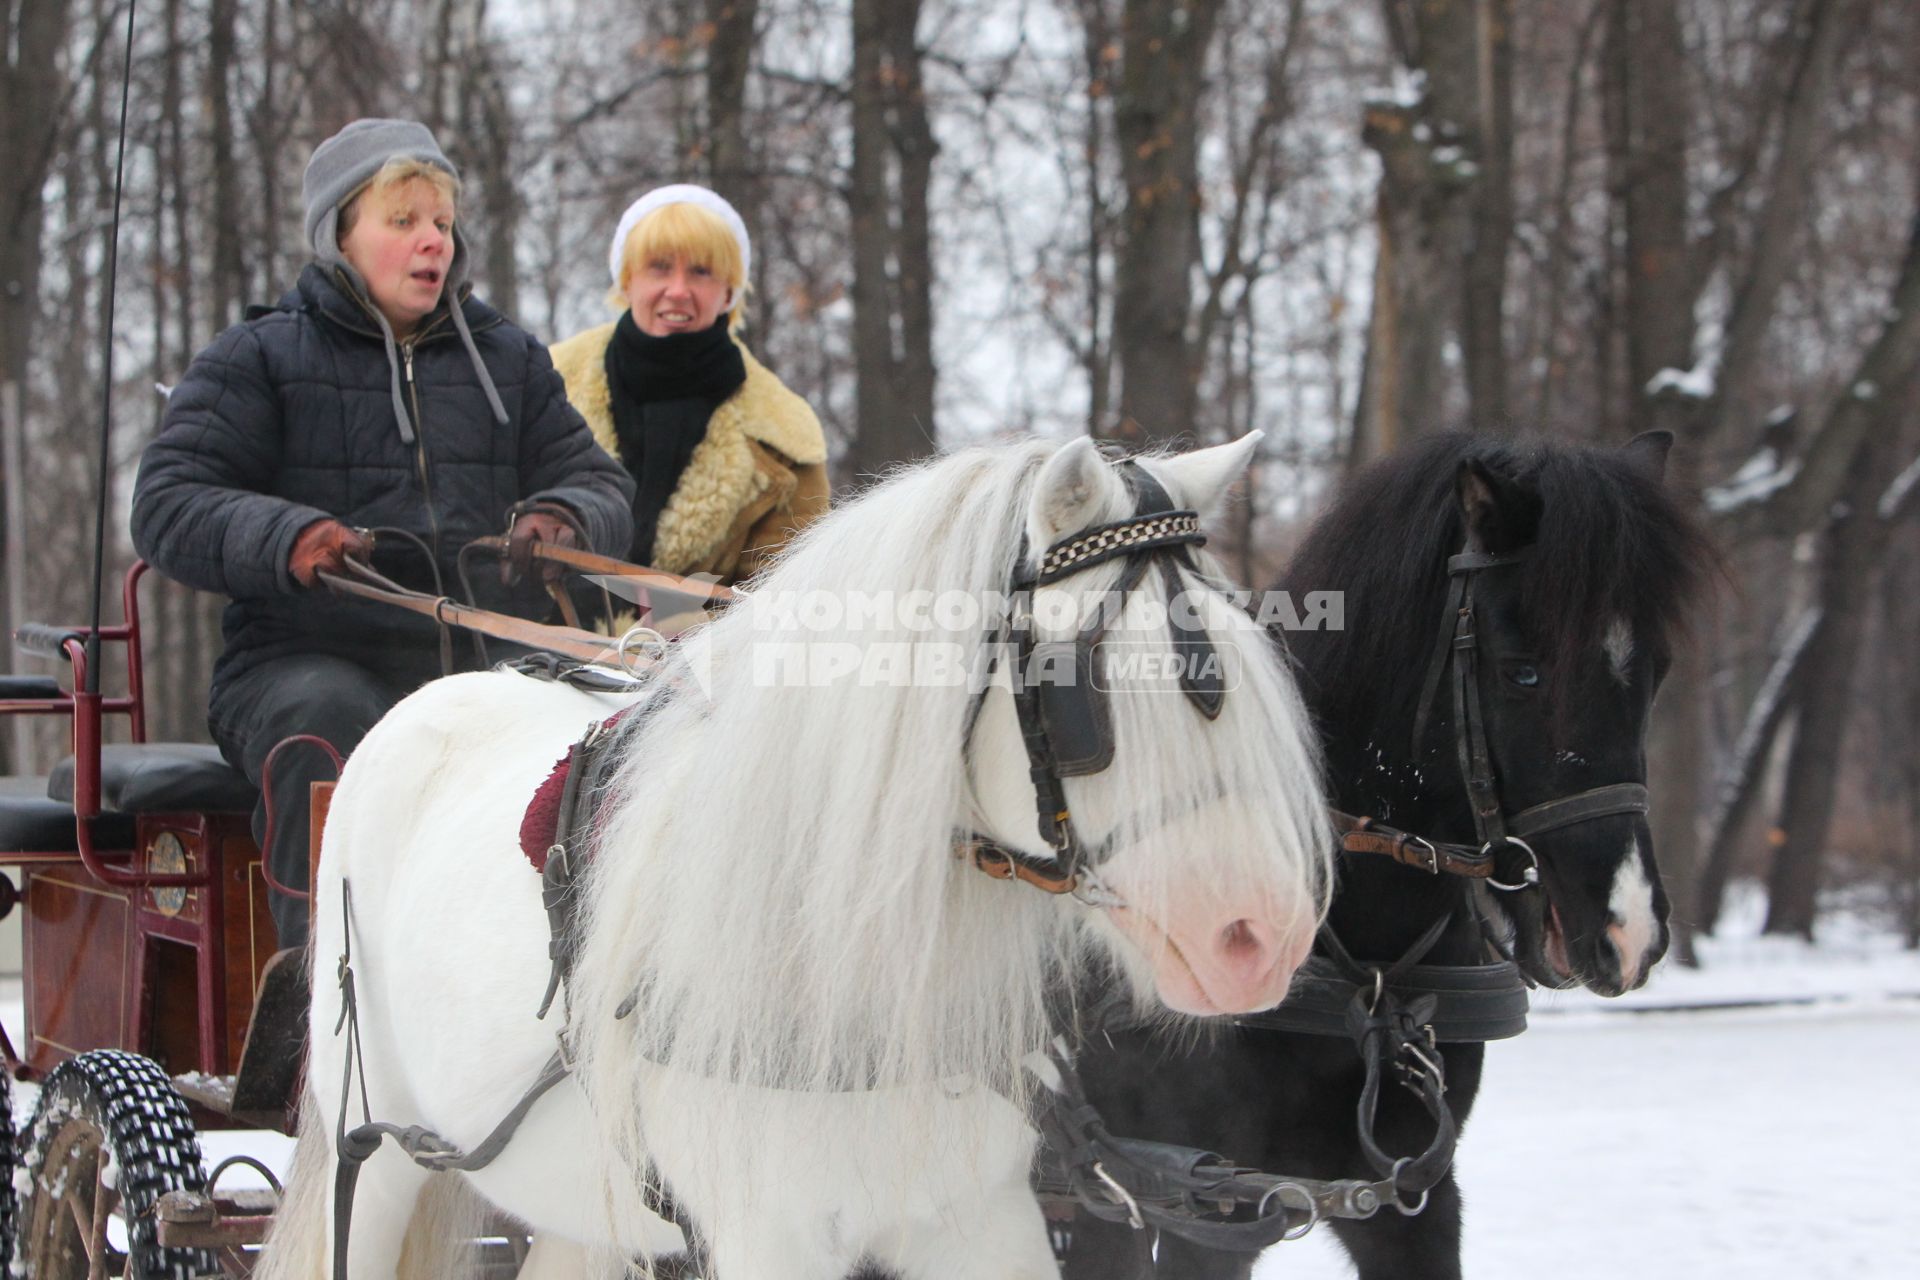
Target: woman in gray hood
<point x="379" y="393"/>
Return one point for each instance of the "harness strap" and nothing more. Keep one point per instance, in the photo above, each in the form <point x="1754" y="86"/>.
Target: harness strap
<point x="1364" y="835"/>
<point x="1470" y="725"/>
<point x="1459" y="569"/>
<point x="1003" y="863"/>
<point x="425" y="1147"/>
<point x="1390" y="1031"/>
<point x="1601" y="802"/>
<point x="1474" y="1003"/>
<point x="1191" y="1193"/>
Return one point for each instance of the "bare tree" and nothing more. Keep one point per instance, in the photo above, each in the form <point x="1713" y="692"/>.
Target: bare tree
<point x="892" y="254"/>
<point x="1164" y="47"/>
<point x="1445" y="222"/>
<point x="32" y="98"/>
<point x="1858" y="526"/>
<point x="1645" y="89"/>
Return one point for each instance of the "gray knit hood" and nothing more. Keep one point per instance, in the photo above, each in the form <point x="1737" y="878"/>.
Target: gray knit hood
<point x="339" y="168"/>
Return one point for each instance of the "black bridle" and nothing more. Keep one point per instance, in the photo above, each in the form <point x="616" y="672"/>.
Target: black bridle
<point x="1458" y="652"/>
<point x="1065" y="722"/>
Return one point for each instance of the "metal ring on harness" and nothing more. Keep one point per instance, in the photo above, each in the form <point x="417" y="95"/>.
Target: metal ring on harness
<point x="1124" y="1196"/>
<point x="655" y="650"/>
<point x="1529" y="879"/>
<point x="1393" y="1180"/>
<point x="1090" y="891"/>
<point x="1312" y="1207"/>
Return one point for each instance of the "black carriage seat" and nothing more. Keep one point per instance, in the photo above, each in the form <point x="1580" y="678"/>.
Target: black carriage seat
<point x="33" y="822"/>
<point x="30" y="689"/>
<point x="160" y="777"/>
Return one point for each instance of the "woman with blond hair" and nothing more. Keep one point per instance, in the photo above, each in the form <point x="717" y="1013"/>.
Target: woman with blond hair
<point x="727" y="463"/>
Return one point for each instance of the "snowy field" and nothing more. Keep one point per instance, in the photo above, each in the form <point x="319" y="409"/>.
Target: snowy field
<point x="1750" y="1119"/>
<point x="1753" y="1118"/>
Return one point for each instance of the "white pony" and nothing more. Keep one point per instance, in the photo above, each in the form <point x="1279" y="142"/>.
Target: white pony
<point x="795" y="1008"/>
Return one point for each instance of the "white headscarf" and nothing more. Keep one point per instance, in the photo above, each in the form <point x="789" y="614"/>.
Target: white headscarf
<point x="678" y="193"/>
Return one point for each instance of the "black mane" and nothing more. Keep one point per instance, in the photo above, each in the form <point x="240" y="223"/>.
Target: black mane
<point x="1612" y="542"/>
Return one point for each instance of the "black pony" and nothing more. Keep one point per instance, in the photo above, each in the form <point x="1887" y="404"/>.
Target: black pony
<point x="1576" y="566"/>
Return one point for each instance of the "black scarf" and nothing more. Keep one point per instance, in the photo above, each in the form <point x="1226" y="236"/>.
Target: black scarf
<point x="663" y="392"/>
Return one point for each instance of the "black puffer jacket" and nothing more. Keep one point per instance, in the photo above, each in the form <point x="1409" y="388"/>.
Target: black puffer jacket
<point x="289" y="418"/>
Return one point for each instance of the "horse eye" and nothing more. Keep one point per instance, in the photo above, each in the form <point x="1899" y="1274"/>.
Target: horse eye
<point x="1522" y="674"/>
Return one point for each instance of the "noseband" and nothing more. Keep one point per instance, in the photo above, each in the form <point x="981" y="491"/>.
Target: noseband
<point x="1065" y="721"/>
<point x="1458" y="650"/>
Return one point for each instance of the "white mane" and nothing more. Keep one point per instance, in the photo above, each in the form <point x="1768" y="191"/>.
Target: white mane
<point x="776" y="901"/>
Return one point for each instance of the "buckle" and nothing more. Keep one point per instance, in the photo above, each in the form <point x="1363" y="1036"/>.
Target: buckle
<point x="1430" y="863"/>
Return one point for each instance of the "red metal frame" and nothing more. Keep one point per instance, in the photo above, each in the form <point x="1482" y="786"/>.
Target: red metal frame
<point x="87" y="711"/>
<point x="218" y="923"/>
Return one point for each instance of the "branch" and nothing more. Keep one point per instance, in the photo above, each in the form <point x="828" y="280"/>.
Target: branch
<point x="1784" y="208"/>
<point x="1898" y="500"/>
<point x="1275" y="106"/>
<point x="1740" y="780"/>
<point x="1888" y="365"/>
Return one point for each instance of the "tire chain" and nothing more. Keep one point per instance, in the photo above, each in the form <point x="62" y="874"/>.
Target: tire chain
<point x="149" y="1131"/>
<point x="9" y="1205"/>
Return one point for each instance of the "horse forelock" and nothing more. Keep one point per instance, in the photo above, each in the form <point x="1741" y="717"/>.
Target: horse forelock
<point x="1612" y="545"/>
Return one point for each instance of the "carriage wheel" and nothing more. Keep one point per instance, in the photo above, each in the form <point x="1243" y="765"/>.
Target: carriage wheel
<point x="110" y="1136"/>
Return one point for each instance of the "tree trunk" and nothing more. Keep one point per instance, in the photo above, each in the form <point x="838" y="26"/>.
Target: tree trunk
<point x="1415" y="281"/>
<point x="489" y="119"/>
<point x="32" y="33"/>
<point x="1649" y="181"/>
<point x="732" y="168"/>
<point x="1096" y="354"/>
<point x="1444" y="222"/>
<point x="227" y="283"/>
<point x="892" y="257"/>
<point x="1850" y="558"/>
<point x="882" y="434"/>
<point x="1483" y="302"/>
<point x="730" y="162"/>
<point x="1164" y="46"/>
<point x="913" y="250"/>
<point x="1646" y="114"/>
<point x="1854" y="541"/>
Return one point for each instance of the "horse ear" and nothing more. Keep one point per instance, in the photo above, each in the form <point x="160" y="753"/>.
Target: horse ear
<point x="1072" y="492"/>
<point x="1500" y="514"/>
<point x="1648" y="451"/>
<point x="1200" y="479"/>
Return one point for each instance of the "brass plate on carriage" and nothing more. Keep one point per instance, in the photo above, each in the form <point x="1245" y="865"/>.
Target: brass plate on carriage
<point x="166" y="856"/>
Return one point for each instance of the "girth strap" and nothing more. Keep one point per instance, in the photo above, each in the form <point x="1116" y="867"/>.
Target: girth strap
<point x="1473" y="1003"/>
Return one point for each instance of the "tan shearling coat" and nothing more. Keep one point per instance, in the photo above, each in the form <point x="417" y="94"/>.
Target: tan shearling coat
<point x="757" y="478"/>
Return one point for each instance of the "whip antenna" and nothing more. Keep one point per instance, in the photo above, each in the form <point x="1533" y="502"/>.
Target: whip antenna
<point x="106" y="395"/>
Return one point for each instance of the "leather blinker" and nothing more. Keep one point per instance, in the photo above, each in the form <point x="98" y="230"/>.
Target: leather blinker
<point x="1073" y="711"/>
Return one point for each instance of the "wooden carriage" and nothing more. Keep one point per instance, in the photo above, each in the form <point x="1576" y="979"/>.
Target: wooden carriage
<point x="147" y="944"/>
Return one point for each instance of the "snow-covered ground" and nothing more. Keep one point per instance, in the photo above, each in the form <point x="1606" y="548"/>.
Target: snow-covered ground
<point x="1751" y="1119"/>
